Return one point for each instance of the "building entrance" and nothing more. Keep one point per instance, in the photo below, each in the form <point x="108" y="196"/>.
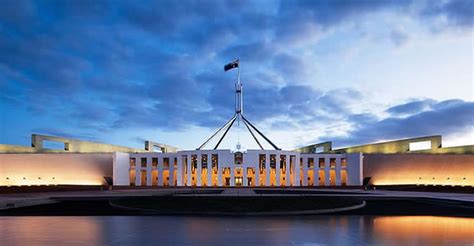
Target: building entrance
<point x="238" y="181"/>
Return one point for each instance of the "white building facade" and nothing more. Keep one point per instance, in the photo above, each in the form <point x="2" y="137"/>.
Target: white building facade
<point x="224" y="168"/>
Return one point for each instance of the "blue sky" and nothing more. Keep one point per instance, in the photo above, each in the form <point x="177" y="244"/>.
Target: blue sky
<point x="352" y="72"/>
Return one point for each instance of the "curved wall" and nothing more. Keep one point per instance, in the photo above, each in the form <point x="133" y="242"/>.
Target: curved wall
<point x="51" y="169"/>
<point x="429" y="169"/>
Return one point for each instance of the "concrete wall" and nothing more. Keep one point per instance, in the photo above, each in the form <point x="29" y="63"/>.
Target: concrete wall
<point x="355" y="169"/>
<point x="77" y="146"/>
<point x="121" y="164"/>
<point x="54" y="168"/>
<point x="393" y="147"/>
<point x="400" y="169"/>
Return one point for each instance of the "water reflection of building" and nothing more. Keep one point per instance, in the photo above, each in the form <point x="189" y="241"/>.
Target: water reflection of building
<point x="87" y="163"/>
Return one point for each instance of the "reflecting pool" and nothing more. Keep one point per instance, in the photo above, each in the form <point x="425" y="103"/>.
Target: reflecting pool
<point x="191" y="230"/>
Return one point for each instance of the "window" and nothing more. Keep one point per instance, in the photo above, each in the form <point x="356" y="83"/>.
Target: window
<point x="154" y="162"/>
<point x="184" y="160"/>
<point x="343" y="162"/>
<point x="282" y="161"/>
<point x="261" y="162"/>
<point x="332" y="162"/>
<point x="132" y="162"/>
<point x="193" y="162"/>
<point x="204" y="161"/>
<point x="272" y="161"/>
<point x="166" y="162"/>
<point x="143" y="161"/>
<point x="423" y="145"/>
<point x="319" y="149"/>
<point x="311" y="163"/>
<point x="215" y="161"/>
<point x="321" y="162"/>
<point x="238" y="158"/>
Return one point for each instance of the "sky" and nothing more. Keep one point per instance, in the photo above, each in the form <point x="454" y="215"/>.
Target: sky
<point x="350" y="72"/>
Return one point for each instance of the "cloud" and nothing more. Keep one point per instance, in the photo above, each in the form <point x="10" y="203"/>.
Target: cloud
<point x="411" y="108"/>
<point x="454" y="12"/>
<point x="103" y="66"/>
<point x="444" y="118"/>
<point x="399" y="37"/>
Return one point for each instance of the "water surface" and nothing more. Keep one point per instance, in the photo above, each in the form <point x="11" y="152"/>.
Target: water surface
<point x="190" y="230"/>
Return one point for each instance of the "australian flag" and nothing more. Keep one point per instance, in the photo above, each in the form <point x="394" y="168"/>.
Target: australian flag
<point x="231" y="65"/>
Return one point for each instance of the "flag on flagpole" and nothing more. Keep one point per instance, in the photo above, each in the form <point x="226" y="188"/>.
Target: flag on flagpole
<point x="231" y="65"/>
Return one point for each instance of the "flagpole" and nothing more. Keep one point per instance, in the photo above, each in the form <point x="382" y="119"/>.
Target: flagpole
<point x="239" y="94"/>
<point x="239" y="86"/>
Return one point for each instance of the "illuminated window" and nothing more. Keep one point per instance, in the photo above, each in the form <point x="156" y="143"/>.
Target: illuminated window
<point x="282" y="161"/>
<point x="272" y="161"/>
<point x="132" y="162"/>
<point x="166" y="162"/>
<point x="332" y="162"/>
<point x="215" y="161"/>
<point x="261" y="162"/>
<point x="204" y="161"/>
<point x="311" y="163"/>
<point x="343" y="162"/>
<point x="321" y="163"/>
<point x="193" y="162"/>
<point x="423" y="145"/>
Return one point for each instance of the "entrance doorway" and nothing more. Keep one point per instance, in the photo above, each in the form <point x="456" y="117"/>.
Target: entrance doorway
<point x="238" y="181"/>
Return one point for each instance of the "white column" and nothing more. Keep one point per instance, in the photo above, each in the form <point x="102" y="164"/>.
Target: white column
<point x="232" y="176"/>
<point x="190" y="173"/>
<point x="244" y="176"/>
<point x="257" y="174"/>
<point x="297" y="171"/>
<point x="179" y="171"/>
<point x="305" y="171"/>
<point x="199" y="170"/>
<point x="338" y="171"/>
<point x="287" y="168"/>
<point x="148" y="172"/>
<point x="171" y="180"/>
<point x="278" y="169"/>
<point x="209" y="170"/>
<point x="219" y="174"/>
<point x="160" y="171"/>
<point x="327" y="174"/>
<point x="138" y="171"/>
<point x="267" y="170"/>
<point x="316" y="171"/>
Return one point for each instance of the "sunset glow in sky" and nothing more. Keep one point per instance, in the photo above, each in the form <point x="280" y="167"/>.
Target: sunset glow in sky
<point x="351" y="72"/>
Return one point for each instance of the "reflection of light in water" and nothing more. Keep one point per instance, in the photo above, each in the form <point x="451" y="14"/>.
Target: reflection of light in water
<point x="229" y="231"/>
<point x="425" y="228"/>
<point x="50" y="230"/>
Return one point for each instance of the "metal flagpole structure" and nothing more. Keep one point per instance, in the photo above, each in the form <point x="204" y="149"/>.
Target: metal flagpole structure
<point x="238" y="115"/>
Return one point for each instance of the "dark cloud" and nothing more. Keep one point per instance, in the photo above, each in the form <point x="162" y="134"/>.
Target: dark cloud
<point x="457" y="12"/>
<point x="411" y="107"/>
<point x="445" y="117"/>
